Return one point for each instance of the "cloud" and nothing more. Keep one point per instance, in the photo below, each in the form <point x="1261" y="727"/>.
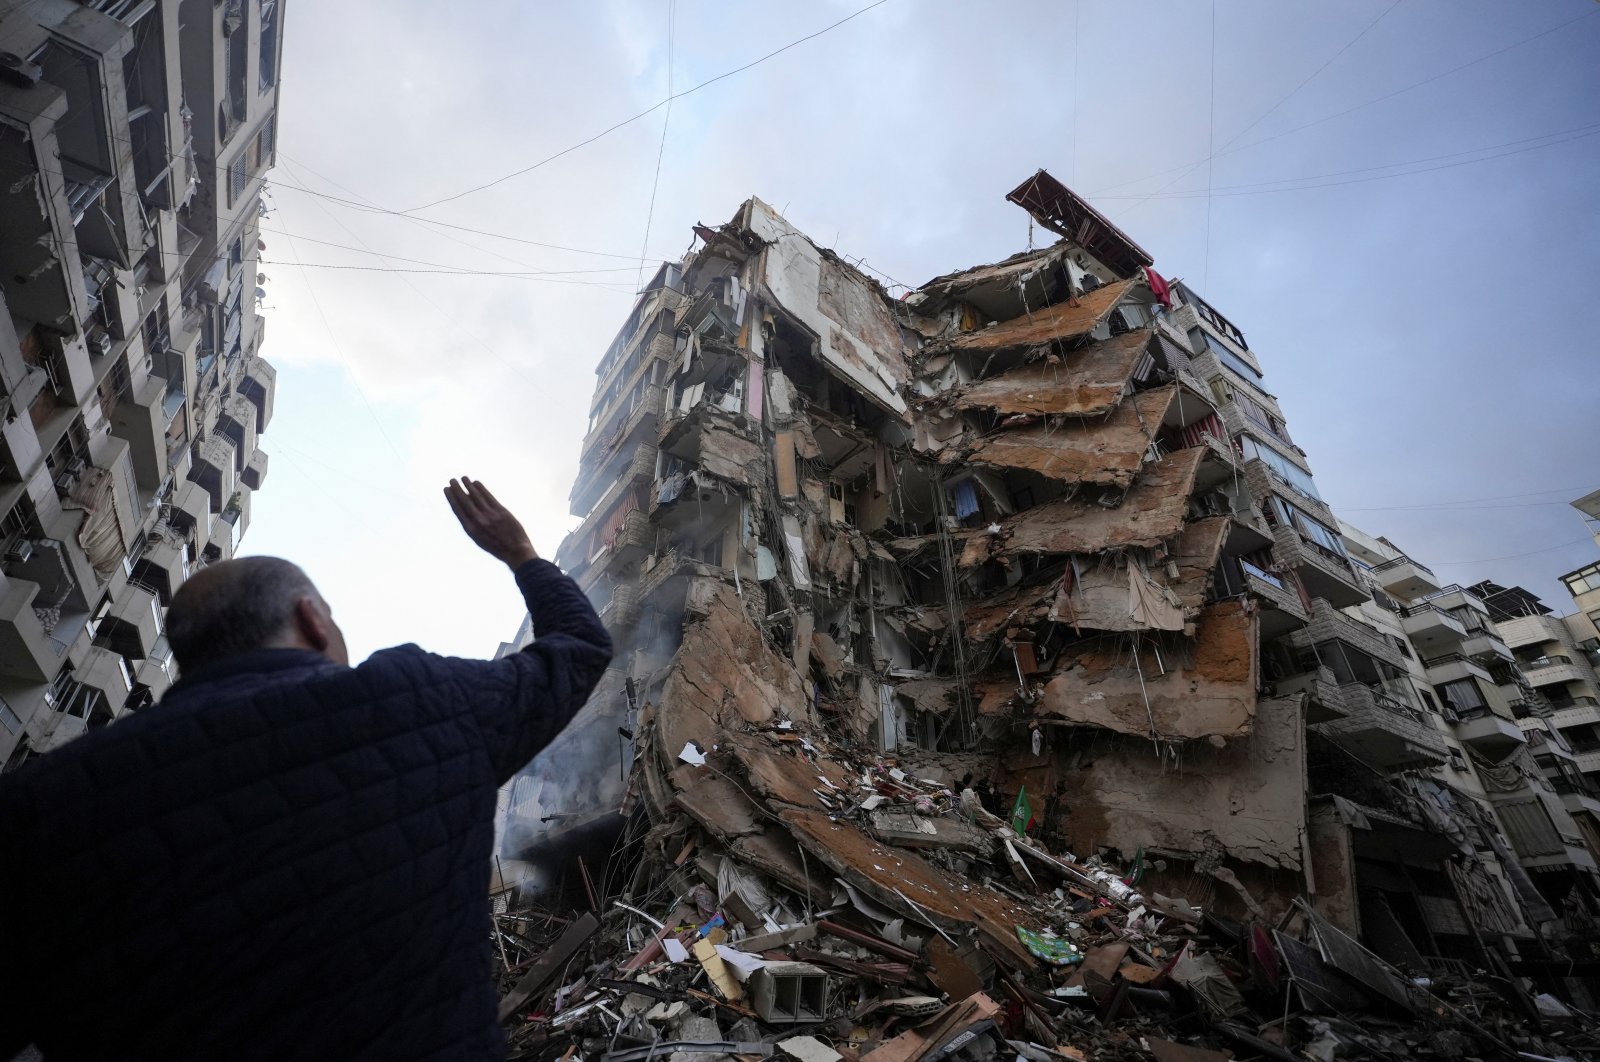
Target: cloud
<point x="1424" y="333"/>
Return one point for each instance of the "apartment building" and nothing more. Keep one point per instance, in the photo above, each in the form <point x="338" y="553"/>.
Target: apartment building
<point x="1042" y="521"/>
<point x="134" y="136"/>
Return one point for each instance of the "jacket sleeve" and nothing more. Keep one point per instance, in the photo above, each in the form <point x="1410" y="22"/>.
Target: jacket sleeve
<point x="521" y="702"/>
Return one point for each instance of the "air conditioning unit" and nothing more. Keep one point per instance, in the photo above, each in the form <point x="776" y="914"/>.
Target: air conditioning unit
<point x="75" y="467"/>
<point x="21" y="552"/>
<point x="17" y="70"/>
<point x="101" y="342"/>
<point x="1089" y="283"/>
<point x="64" y="484"/>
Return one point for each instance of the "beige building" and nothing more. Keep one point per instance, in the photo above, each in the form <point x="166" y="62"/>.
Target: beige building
<point x="134" y="135"/>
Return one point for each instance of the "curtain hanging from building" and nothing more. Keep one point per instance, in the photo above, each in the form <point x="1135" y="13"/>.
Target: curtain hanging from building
<point x="100" y="534"/>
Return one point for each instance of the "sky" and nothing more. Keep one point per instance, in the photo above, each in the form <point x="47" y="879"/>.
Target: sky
<point x="1394" y="199"/>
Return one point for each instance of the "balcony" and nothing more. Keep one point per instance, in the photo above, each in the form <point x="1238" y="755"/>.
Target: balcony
<point x="164" y="566"/>
<point x="1432" y="629"/>
<point x="36" y="220"/>
<point x="191" y="514"/>
<point x="635" y="475"/>
<point x="1455" y="597"/>
<point x="213" y="469"/>
<point x="1485" y="646"/>
<point x="1582" y="710"/>
<point x="1453" y="666"/>
<point x="133" y="625"/>
<point x="602" y="461"/>
<point x="259" y="384"/>
<point x="622" y="611"/>
<point x="1524" y="631"/>
<point x="26" y="651"/>
<point x="255" y="469"/>
<point x="238" y="422"/>
<point x="1324" y="702"/>
<point x="1580" y="803"/>
<point x="107" y="674"/>
<point x="618" y="424"/>
<point x="1325" y="574"/>
<point x="140" y="419"/>
<point x="1404" y="577"/>
<point x="1328" y="623"/>
<point x="1555" y="669"/>
<point x="1488" y="732"/>
<point x="1386" y="732"/>
<point x="1282" y="610"/>
<point x="1588" y="761"/>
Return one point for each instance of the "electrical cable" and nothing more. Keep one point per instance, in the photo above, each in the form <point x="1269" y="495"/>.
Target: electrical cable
<point x="441" y="265"/>
<point x="1227" y="150"/>
<point x="1211" y="152"/>
<point x="1554" y="139"/>
<point x="655" y="183"/>
<point x="374" y="209"/>
<point x="1515" y="556"/>
<point x="651" y="110"/>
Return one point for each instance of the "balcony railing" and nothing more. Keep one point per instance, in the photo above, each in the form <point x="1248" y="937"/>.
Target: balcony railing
<point x="1448" y="658"/>
<point x="1548" y="660"/>
<point x="1424" y="609"/>
<point x="1397" y="562"/>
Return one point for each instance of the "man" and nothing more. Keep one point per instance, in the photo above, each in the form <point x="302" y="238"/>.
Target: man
<point x="288" y="857"/>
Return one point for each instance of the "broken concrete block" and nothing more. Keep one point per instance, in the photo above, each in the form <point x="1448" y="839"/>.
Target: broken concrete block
<point x="788" y="992"/>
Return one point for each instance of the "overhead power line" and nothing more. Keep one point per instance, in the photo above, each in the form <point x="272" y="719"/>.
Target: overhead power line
<point x="648" y="111"/>
<point x="375" y="209"/>
<point x="1227" y="149"/>
<point x="1212" y="151"/>
<point x="1515" y="556"/>
<point x="1512" y="147"/>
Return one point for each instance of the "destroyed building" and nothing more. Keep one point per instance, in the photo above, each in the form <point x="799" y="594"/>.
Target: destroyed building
<point x="1028" y="547"/>
<point x="134" y="137"/>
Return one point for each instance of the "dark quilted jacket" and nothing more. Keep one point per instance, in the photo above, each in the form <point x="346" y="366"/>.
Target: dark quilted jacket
<point x="285" y="858"/>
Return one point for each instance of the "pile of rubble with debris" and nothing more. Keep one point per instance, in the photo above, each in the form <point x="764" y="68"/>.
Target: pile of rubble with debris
<point x="819" y="903"/>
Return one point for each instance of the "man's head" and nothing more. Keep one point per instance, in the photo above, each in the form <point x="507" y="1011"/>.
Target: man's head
<point x="252" y="603"/>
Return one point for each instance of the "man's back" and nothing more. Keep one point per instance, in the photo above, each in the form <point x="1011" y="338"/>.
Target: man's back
<point x="286" y="857"/>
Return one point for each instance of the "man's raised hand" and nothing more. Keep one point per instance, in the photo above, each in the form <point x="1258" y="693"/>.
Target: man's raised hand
<point x="488" y="523"/>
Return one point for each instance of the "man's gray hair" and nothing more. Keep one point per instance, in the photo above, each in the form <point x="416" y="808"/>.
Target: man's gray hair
<point x="235" y="607"/>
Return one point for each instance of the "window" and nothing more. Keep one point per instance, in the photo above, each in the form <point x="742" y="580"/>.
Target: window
<point x="1297" y="478"/>
<point x="1220" y="390"/>
<point x="1402" y="645"/>
<point x="1457" y="760"/>
<point x="711" y="552"/>
<point x="269" y="44"/>
<point x="1583" y="580"/>
<point x="1462" y="694"/>
<point x="1311" y="529"/>
<point x="238" y="177"/>
<point x="8" y="718"/>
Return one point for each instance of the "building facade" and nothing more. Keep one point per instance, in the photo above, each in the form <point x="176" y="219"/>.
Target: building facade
<point x="134" y="136"/>
<point x="1042" y="522"/>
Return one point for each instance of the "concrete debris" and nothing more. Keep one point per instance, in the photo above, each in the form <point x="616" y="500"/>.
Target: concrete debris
<point x="968" y="706"/>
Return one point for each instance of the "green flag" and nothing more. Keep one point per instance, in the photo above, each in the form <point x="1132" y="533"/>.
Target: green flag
<point x="1021" y="812"/>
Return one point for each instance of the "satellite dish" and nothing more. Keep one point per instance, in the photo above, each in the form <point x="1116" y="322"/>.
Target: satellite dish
<point x="261" y="293"/>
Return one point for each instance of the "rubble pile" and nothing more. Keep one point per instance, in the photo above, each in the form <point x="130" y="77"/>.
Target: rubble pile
<point x="817" y="902"/>
<point x="988" y="685"/>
